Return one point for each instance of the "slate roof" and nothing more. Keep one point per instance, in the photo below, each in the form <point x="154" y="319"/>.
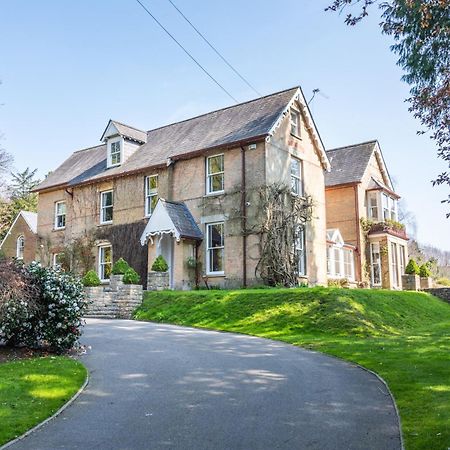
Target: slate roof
<point x="129" y="132"/>
<point x="348" y="164"/>
<point x="30" y="219"/>
<point x="183" y="220"/>
<point x="242" y="123"/>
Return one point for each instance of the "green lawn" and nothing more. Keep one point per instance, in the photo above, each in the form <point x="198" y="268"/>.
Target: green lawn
<point x="33" y="389"/>
<point x="403" y="336"/>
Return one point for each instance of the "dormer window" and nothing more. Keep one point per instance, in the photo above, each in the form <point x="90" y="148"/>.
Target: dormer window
<point x="115" y="153"/>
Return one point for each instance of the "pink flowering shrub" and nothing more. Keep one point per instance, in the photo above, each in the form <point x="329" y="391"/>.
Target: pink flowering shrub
<point x="52" y="318"/>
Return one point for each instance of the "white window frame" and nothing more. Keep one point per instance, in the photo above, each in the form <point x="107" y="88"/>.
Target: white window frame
<point x="150" y="193"/>
<point x="349" y="263"/>
<point x="300" y="249"/>
<point x="57" y="215"/>
<point x="210" y="249"/>
<point x="101" y="263"/>
<point x="375" y="245"/>
<point x="112" y="143"/>
<point x="371" y="208"/>
<point x="210" y="175"/>
<point x="297" y="180"/>
<point x="395" y="265"/>
<point x="55" y="257"/>
<point x="402" y="259"/>
<point x="20" y="246"/>
<point x="294" y="122"/>
<point x="103" y="207"/>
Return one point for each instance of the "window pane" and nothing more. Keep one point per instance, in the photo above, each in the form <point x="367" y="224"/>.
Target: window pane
<point x="107" y="214"/>
<point x="152" y="182"/>
<point x="295" y="167"/>
<point x="60" y="208"/>
<point x="216" y="183"/>
<point x="153" y="202"/>
<point x="215" y="235"/>
<point x="215" y="164"/>
<point x="107" y="198"/>
<point x="216" y="260"/>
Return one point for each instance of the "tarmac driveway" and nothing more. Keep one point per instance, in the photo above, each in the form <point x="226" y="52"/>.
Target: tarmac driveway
<point x="158" y="386"/>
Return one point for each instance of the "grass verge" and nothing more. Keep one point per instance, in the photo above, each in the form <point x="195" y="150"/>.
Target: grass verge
<point x="402" y="336"/>
<point x="31" y="390"/>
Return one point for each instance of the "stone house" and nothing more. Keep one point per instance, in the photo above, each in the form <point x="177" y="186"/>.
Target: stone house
<point x="21" y="239"/>
<point x="187" y="191"/>
<point x="362" y="204"/>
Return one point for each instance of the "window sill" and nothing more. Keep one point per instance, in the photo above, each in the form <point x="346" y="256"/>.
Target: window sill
<point x="214" y="194"/>
<point x="215" y="275"/>
<point x="105" y="223"/>
<point x="59" y="229"/>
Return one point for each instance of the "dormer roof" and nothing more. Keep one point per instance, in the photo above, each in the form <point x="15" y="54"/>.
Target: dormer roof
<point x="115" y="128"/>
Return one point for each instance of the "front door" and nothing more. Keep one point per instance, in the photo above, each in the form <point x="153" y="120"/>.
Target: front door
<point x="166" y="250"/>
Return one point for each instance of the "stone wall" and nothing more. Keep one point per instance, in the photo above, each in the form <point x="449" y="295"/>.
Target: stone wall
<point x="442" y="293"/>
<point x="157" y="281"/>
<point x="411" y="282"/>
<point x="115" y="301"/>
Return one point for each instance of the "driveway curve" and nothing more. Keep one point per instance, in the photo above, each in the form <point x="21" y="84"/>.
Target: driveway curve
<point x="156" y="386"/>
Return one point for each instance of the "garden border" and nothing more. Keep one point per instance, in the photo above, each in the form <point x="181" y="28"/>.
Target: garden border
<point x="48" y="419"/>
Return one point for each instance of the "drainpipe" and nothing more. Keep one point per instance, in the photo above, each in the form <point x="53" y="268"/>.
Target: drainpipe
<point x="244" y="219"/>
<point x="170" y="168"/>
<point x="358" y="233"/>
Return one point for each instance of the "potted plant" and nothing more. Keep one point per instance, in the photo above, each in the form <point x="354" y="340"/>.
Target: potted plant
<point x="411" y="279"/>
<point x="158" y="277"/>
<point x="426" y="281"/>
<point x="118" y="270"/>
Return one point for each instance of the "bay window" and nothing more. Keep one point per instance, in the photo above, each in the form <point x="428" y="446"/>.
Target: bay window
<point x="381" y="207"/>
<point x="340" y="262"/>
<point x="375" y="264"/>
<point x="215" y="247"/>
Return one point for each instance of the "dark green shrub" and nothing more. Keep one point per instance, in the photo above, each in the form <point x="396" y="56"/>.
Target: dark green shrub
<point x="412" y="268"/>
<point x="91" y="279"/>
<point x="424" y="271"/>
<point x="120" y="267"/>
<point x="131" y="277"/>
<point x="160" y="265"/>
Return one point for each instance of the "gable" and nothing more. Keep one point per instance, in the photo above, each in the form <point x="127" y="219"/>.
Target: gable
<point x="110" y="131"/>
<point x="22" y="226"/>
<point x="298" y="102"/>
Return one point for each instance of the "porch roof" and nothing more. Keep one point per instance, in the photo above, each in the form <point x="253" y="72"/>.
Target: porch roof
<point x="171" y="218"/>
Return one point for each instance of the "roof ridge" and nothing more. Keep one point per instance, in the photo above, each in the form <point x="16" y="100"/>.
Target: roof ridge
<point x="373" y="141"/>
<point x="87" y="148"/>
<point x="223" y="109"/>
<point x="128" y="126"/>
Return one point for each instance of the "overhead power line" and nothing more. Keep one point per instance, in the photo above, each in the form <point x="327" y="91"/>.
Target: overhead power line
<point x="215" y="50"/>
<point x="185" y="51"/>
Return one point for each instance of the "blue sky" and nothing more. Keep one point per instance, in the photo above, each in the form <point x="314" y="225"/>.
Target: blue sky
<point x="67" y="67"/>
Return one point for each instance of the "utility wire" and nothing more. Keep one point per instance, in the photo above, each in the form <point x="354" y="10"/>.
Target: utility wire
<point x="214" y="49"/>
<point x="185" y="51"/>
